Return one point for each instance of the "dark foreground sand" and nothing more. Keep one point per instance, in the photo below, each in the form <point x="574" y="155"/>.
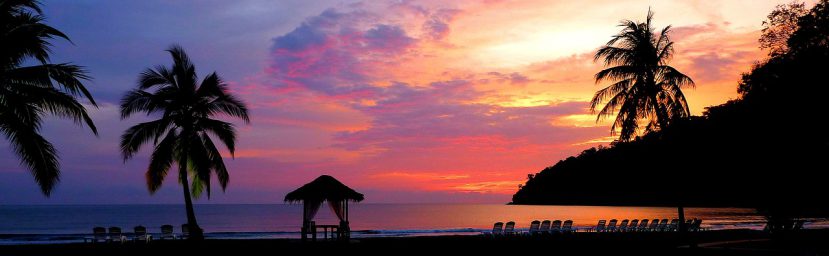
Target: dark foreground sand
<point x="735" y="242"/>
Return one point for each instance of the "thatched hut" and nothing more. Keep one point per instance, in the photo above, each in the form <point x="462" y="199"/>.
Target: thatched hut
<point x="322" y="189"/>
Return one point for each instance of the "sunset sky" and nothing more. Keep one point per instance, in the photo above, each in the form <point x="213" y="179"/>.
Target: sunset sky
<point x="405" y="101"/>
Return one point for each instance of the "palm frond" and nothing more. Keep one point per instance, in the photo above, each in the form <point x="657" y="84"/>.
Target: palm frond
<point x="34" y="151"/>
<point x="55" y="102"/>
<point x="138" y="135"/>
<point x="223" y="130"/>
<point x="161" y="160"/>
<point x="218" y="163"/>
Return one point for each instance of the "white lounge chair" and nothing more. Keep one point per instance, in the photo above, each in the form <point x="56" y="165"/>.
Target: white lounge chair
<point x="167" y="232"/>
<point x="185" y="231"/>
<point x="140" y="235"/>
<point x="99" y="235"/>
<point x="116" y="236"/>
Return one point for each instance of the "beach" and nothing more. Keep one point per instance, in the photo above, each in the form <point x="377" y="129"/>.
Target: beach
<point x="724" y="242"/>
<point x="70" y="223"/>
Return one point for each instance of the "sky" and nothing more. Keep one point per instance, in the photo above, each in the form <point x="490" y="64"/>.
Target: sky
<point x="405" y="101"/>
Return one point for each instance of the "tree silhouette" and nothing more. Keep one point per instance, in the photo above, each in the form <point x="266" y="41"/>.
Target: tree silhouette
<point x="182" y="134"/>
<point x="764" y="150"/>
<point x="644" y="86"/>
<point x="779" y="26"/>
<point x="28" y="93"/>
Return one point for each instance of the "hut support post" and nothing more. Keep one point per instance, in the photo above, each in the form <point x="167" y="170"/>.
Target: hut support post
<point x="304" y="230"/>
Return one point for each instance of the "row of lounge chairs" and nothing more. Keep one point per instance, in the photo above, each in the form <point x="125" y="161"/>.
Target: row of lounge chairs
<point x="636" y="225"/>
<point x="559" y="227"/>
<point x="536" y="228"/>
<point x="114" y="234"/>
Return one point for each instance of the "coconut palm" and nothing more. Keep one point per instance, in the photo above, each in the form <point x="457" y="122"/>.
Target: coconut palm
<point x="30" y="92"/>
<point x="644" y="87"/>
<point x="182" y="134"/>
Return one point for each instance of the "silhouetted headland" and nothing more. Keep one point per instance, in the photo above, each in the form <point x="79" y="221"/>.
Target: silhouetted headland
<point x="765" y="149"/>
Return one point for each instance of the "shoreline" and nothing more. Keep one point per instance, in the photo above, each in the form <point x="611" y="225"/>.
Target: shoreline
<point x="734" y="242"/>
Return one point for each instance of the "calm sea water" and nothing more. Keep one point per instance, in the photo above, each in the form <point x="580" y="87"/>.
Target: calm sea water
<point x="70" y="223"/>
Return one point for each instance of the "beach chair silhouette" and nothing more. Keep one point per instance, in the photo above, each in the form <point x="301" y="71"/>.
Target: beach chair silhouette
<point x="545" y="227"/>
<point x="600" y="227"/>
<point x="643" y="225"/>
<point x="140" y="234"/>
<point x="623" y="226"/>
<point x="99" y="234"/>
<point x="116" y="236"/>
<point x="509" y="228"/>
<point x="611" y="226"/>
<point x="534" y="225"/>
<point x="567" y="227"/>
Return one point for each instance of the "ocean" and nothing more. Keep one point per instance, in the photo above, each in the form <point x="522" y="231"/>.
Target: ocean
<point x="22" y="224"/>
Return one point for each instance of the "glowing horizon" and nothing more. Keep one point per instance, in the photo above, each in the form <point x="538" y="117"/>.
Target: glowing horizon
<point x="405" y="101"/>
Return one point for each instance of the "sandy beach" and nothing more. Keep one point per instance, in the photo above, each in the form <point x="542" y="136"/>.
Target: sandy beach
<point x="726" y="242"/>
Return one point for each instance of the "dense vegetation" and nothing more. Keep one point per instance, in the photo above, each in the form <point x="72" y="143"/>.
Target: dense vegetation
<point x="766" y="149"/>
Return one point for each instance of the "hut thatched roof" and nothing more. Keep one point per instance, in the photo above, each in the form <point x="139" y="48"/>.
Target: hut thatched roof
<point x="324" y="188"/>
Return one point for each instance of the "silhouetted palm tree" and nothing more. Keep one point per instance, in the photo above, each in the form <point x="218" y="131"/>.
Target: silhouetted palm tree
<point x="644" y="86"/>
<point x="187" y="110"/>
<point x="27" y="93"/>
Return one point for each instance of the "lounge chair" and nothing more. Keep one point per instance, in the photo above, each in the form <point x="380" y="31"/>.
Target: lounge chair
<point x="798" y="224"/>
<point x="623" y="226"/>
<point x="654" y="225"/>
<point x="509" y="228"/>
<point x="167" y="232"/>
<point x="140" y="235"/>
<point x="185" y="231"/>
<point x="497" y="229"/>
<point x="99" y="234"/>
<point x="556" y="227"/>
<point x="611" y="226"/>
<point x="663" y="225"/>
<point x="534" y="225"/>
<point x="115" y="235"/>
<point x="643" y="226"/>
<point x="600" y="227"/>
<point x="567" y="227"/>
<point x="632" y="225"/>
<point x="695" y="225"/>
<point x="673" y="226"/>
<point x="545" y="227"/>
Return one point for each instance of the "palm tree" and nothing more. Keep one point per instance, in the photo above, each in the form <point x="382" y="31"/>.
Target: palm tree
<point x="27" y="93"/>
<point x="183" y="132"/>
<point x="644" y="86"/>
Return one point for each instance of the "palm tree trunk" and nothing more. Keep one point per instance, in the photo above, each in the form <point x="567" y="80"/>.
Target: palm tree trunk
<point x="195" y="231"/>
<point x="681" y="225"/>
